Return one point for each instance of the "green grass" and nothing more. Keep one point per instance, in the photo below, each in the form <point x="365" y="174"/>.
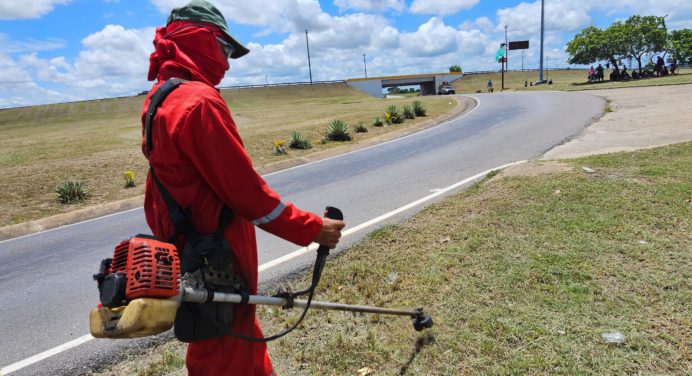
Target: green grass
<point x="95" y="142"/>
<point x="522" y="276"/>
<point x="563" y="79"/>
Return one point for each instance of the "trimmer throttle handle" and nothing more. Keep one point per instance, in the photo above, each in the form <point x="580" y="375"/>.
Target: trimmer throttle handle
<point x="331" y="213"/>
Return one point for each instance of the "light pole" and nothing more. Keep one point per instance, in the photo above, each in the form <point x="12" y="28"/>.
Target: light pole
<point x="540" y="79"/>
<point x="365" y="66"/>
<point x="308" y="46"/>
<point x="506" y="62"/>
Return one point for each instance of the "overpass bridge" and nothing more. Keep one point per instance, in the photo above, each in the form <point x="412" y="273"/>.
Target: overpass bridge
<point x="428" y="82"/>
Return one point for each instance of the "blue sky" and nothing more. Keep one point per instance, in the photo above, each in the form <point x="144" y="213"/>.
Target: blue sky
<point x="67" y="50"/>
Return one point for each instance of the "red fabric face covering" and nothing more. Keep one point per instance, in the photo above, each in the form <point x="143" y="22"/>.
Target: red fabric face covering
<point x="188" y="50"/>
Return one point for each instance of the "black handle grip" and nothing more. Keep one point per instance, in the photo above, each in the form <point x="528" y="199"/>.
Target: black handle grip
<point x="331" y="213"/>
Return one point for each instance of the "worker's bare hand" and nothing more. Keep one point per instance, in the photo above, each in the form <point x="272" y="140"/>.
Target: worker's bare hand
<point x="330" y="233"/>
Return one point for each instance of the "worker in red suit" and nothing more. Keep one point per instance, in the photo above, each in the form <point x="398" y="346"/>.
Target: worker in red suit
<point x="199" y="157"/>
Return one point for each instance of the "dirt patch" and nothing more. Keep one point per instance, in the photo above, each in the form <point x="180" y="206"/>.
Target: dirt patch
<point x="641" y="117"/>
<point x="536" y="168"/>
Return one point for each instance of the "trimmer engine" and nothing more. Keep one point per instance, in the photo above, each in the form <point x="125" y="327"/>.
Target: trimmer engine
<point x="136" y="287"/>
<point x="141" y="267"/>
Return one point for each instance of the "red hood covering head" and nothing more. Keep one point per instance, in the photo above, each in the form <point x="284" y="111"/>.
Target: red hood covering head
<point x="188" y="50"/>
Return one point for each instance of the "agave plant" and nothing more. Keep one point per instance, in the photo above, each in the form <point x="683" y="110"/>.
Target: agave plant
<point x="360" y="127"/>
<point x="338" y="131"/>
<point x="297" y="141"/>
<point x="377" y="122"/>
<point x="409" y="113"/>
<point x="418" y="108"/>
<point x="393" y="115"/>
<point x="70" y="192"/>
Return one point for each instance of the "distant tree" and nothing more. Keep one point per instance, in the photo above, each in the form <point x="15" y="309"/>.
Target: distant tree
<point x="634" y="38"/>
<point x="593" y="44"/>
<point x="680" y="44"/>
<point x="644" y="35"/>
<point x="455" y="69"/>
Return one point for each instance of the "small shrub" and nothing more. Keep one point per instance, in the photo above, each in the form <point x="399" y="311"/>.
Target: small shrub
<point x="70" y="192"/>
<point x="129" y="176"/>
<point x="338" y="131"/>
<point x="418" y="108"/>
<point x="360" y="127"/>
<point x="409" y="113"/>
<point x="297" y="141"/>
<point x="393" y="115"/>
<point x="377" y="122"/>
<point x="278" y="148"/>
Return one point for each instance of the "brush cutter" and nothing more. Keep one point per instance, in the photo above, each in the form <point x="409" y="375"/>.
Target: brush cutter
<point x="141" y="290"/>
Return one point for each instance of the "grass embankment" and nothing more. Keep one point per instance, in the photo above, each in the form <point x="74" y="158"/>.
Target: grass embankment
<point x="95" y="142"/>
<point x="563" y="79"/>
<point x="522" y="276"/>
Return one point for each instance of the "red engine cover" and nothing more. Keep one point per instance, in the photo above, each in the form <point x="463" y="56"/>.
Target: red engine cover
<point x="152" y="267"/>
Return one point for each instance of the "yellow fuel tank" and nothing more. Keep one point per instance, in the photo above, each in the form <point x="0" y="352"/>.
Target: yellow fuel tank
<point x="141" y="317"/>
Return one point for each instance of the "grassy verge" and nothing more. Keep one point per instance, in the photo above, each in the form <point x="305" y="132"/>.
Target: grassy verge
<point x="95" y="142"/>
<point x="522" y="276"/>
<point x="563" y="79"/>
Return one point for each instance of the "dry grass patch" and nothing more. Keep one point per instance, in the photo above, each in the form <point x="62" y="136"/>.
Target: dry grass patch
<point x="95" y="142"/>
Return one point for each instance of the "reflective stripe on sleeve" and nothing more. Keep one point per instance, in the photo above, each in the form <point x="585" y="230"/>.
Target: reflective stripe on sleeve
<point x="271" y="216"/>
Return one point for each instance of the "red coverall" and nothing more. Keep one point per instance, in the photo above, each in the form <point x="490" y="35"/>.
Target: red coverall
<point x="199" y="157"/>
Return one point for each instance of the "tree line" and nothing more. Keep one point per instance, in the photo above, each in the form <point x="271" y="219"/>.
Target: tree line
<point x="635" y="38"/>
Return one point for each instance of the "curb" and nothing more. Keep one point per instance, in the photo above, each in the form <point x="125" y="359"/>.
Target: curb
<point x="60" y="220"/>
<point x="464" y="104"/>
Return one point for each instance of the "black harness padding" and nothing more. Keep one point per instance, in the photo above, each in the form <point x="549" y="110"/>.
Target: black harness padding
<point x="208" y="252"/>
<point x="156" y="99"/>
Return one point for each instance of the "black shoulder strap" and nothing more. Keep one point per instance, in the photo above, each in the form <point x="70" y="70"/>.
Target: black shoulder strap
<point x="156" y="99"/>
<point x="181" y="218"/>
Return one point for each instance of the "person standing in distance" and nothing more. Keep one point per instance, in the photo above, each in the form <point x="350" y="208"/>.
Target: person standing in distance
<point x="198" y="156"/>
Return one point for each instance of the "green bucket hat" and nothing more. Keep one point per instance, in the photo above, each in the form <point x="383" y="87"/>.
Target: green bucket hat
<point x="203" y="11"/>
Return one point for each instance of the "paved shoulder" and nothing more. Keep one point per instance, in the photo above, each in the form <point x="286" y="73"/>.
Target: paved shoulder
<point x="635" y="118"/>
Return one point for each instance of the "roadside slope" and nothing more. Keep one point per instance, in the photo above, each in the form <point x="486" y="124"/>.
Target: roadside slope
<point x="18" y="202"/>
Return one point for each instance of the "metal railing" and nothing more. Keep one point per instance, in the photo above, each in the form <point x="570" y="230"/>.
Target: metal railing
<point x="300" y="83"/>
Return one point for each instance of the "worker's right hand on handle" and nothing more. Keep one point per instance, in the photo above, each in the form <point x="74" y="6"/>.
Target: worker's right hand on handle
<point x="330" y="233"/>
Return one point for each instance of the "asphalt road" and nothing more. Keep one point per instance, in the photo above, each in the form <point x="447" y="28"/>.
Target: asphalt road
<point x="46" y="288"/>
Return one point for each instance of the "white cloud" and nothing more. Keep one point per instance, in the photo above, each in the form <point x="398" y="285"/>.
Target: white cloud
<point x="441" y="7"/>
<point x="18" y="88"/>
<point x="28" y="45"/>
<point x="482" y="23"/>
<point x="431" y="39"/>
<point x="114" y="62"/>
<point x="275" y="15"/>
<point x="336" y="52"/>
<point x="13" y="10"/>
<point x="561" y="15"/>
<point x="371" y="5"/>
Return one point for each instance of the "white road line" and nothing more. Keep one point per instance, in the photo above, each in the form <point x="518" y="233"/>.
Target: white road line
<point x="46" y="354"/>
<point x="297" y="253"/>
